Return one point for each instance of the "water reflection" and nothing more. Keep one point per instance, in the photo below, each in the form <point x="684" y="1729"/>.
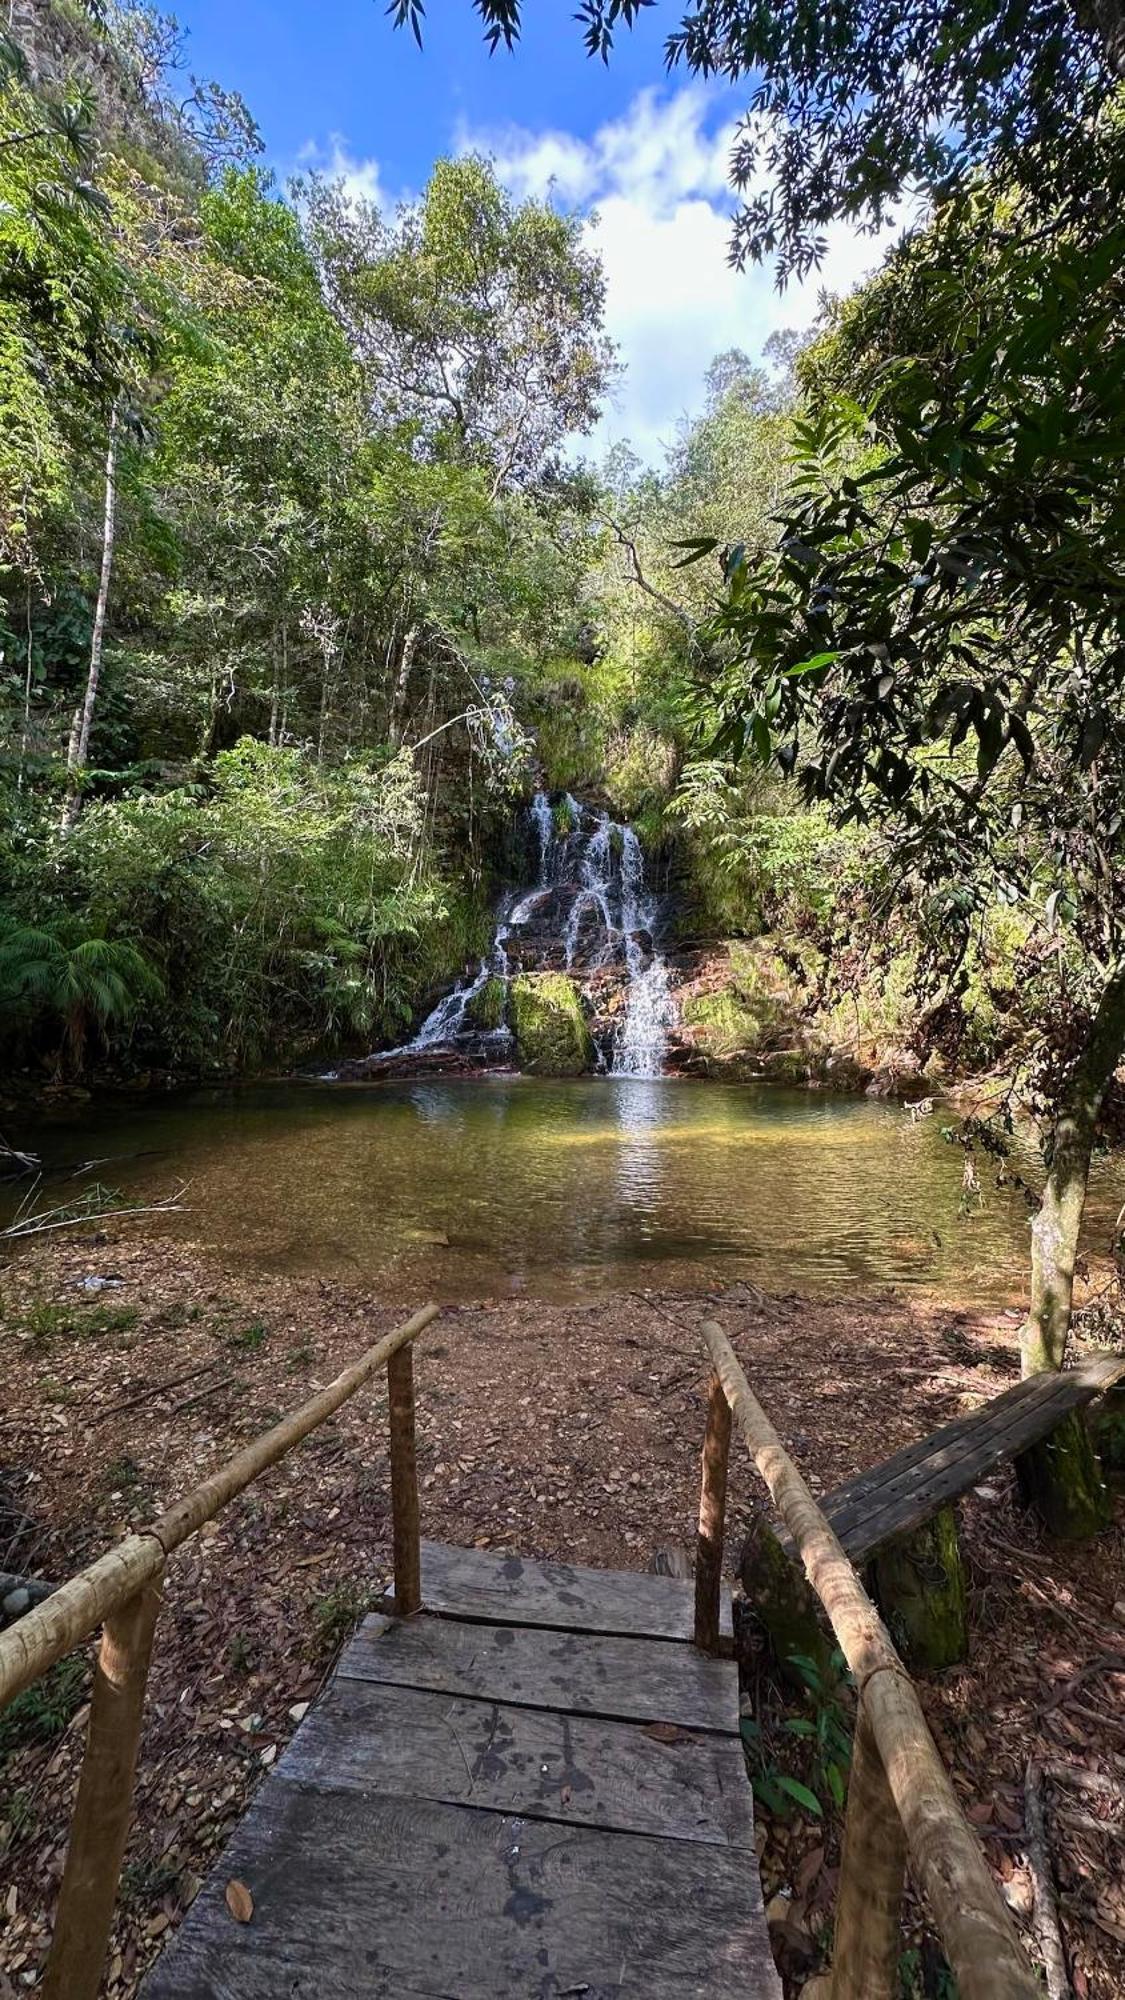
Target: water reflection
<point x="472" y="1187"/>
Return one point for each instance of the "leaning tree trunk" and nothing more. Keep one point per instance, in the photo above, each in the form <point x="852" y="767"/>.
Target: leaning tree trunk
<point x="1060" y="1476"/>
<point x="79" y="746"/>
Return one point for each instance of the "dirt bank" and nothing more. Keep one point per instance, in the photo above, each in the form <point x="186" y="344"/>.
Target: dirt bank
<point x="563" y="1430"/>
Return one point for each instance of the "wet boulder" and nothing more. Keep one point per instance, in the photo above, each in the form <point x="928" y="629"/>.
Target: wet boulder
<point x="550" y="1026"/>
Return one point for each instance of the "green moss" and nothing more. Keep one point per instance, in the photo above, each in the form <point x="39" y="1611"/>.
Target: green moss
<point x="1108" y="1426"/>
<point x="724" y="1025"/>
<point x="552" y="1038"/>
<point x="920" y="1588"/>
<point x="1060" y="1477"/>
<point x="487" y="1008"/>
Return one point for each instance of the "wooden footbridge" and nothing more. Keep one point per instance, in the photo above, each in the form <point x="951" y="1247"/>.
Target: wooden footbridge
<point x="524" y="1778"/>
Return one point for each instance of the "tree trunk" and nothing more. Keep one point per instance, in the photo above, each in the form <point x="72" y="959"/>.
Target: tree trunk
<point x="280" y="675"/>
<point x="919" y="1586"/>
<point x="1105" y="20"/>
<point x="79" y="746"/>
<point x="1054" y="1233"/>
<point x="402" y="685"/>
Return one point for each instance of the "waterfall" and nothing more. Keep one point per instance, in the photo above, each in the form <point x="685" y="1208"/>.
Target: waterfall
<point x="650" y="1010"/>
<point x="589" y="912"/>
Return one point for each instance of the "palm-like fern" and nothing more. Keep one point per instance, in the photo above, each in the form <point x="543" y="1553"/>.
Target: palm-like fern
<point x="91" y="982"/>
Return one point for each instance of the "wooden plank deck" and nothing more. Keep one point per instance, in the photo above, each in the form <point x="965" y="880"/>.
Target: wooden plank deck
<point x="906" y="1489"/>
<point x="485" y="1803"/>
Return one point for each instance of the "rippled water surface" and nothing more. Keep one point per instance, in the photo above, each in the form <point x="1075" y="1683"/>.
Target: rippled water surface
<point x="475" y="1187"/>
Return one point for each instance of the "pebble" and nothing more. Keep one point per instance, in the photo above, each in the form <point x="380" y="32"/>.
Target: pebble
<point x="16" y="1603"/>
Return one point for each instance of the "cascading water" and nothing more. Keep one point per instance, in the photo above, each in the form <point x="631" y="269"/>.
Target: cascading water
<point x="589" y="914"/>
<point x="650" y="1010"/>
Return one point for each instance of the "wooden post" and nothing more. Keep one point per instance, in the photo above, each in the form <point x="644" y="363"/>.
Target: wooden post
<point x="867" y="1943"/>
<point x="404" y="1484"/>
<point x="712" y="1516"/>
<point x="104" y="1807"/>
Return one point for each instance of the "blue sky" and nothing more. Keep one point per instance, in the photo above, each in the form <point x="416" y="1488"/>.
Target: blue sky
<point x="332" y="84"/>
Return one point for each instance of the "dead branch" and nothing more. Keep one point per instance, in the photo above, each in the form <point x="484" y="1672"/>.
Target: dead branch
<point x="154" y="1389"/>
<point x="639" y="578"/>
<point x="1046" y="1915"/>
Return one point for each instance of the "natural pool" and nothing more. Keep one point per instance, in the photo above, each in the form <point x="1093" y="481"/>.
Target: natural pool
<point x="477" y="1187"/>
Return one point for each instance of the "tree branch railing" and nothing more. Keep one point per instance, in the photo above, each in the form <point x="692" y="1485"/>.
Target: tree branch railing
<point x="901" y="1807"/>
<point x="122" y="1593"/>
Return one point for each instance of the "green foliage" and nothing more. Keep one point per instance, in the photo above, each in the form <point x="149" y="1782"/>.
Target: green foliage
<point x="249" y="1338"/>
<point x="80" y="984"/>
<point x="329" y="582"/>
<point x="46" y="1320"/>
<point x="824" y="1733"/>
<point x="336" y="1614"/>
<point x="43" y="1710"/>
<point x="887" y="98"/>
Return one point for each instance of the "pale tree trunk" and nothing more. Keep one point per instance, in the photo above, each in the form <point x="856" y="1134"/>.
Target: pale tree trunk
<point x="1055" y="1231"/>
<point x="402" y="685"/>
<point x="280" y="678"/>
<point x="79" y="746"/>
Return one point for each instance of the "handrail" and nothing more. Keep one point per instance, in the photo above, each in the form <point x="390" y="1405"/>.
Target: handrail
<point x="900" y="1801"/>
<point x="121" y="1591"/>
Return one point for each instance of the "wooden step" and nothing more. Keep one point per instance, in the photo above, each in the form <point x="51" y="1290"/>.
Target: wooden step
<point x="580" y="1673"/>
<point x="360" y="1898"/>
<point x="488" y="1584"/>
<point x="578" y="1770"/>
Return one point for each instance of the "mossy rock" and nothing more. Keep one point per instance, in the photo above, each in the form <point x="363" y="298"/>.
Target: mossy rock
<point x="487" y="1007"/>
<point x="724" y="1026"/>
<point x="552" y="1038"/>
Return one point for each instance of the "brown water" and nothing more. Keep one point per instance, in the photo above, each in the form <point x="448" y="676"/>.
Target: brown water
<point x="471" y="1188"/>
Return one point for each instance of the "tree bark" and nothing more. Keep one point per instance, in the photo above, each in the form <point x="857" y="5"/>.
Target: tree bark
<point x="402" y="686"/>
<point x="919" y="1584"/>
<point x="1105" y="20"/>
<point x="1054" y="1233"/>
<point x="79" y="746"/>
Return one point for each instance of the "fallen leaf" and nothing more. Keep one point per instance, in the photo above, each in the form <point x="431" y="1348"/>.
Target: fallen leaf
<point x="667" y="1732"/>
<point x="240" y="1902"/>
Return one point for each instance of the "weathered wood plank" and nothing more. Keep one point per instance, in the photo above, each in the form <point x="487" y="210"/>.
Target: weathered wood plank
<point x="950" y="1468"/>
<point x="1075" y="1385"/>
<point x="403" y="1743"/>
<point x="407" y="1900"/>
<point x="904" y="1490"/>
<point x="641" y="1680"/>
<point x="487" y="1584"/>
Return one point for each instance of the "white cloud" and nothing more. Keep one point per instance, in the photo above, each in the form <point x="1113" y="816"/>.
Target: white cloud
<point x="361" y="178"/>
<point x="655" y="181"/>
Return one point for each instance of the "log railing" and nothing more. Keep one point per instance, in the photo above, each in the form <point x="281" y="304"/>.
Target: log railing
<point x="901" y="1809"/>
<point x="121" y="1592"/>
